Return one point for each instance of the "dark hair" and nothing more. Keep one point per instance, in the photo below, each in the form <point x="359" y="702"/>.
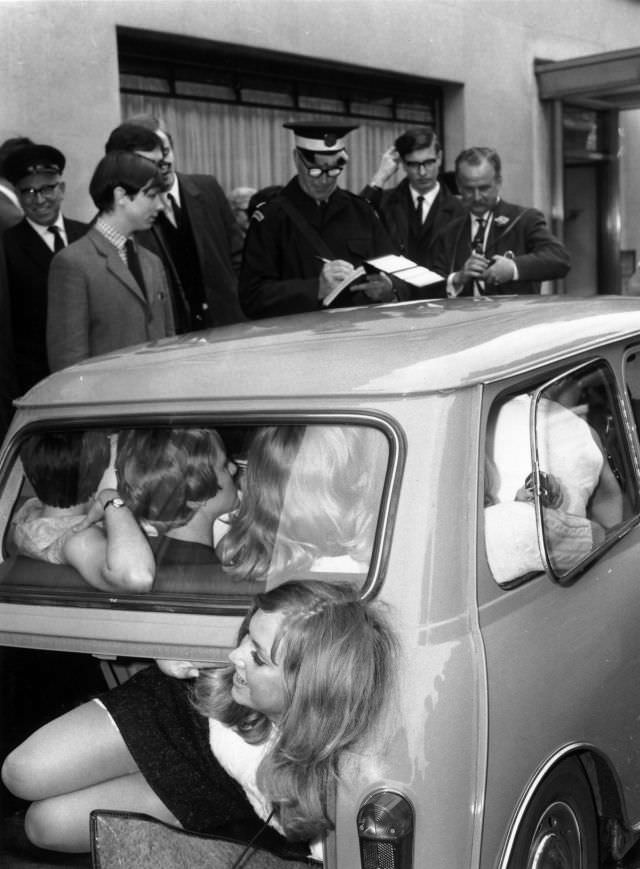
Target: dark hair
<point x="65" y="467"/>
<point x="477" y="155"/>
<point x="415" y="139"/>
<point x="161" y="472"/>
<point x="9" y="146"/>
<point x="122" y="169"/>
<point x="151" y="123"/>
<point x="132" y="137"/>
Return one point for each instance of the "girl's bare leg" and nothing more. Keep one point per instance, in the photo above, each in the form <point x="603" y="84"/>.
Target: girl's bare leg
<point x="61" y="823"/>
<point x="74" y="764"/>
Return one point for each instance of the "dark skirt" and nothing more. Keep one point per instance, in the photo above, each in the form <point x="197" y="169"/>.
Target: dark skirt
<point x="169" y="741"/>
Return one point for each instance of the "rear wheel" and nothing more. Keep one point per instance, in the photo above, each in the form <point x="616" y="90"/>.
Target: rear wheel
<point x="560" y="827"/>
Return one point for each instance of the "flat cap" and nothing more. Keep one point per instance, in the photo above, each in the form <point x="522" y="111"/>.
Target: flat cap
<point x="317" y="136"/>
<point x="33" y="159"/>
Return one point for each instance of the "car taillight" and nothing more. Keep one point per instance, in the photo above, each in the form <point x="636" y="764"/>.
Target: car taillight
<point x="385" y="831"/>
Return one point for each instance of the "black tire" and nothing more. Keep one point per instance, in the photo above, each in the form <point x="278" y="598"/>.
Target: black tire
<point x="560" y="827"/>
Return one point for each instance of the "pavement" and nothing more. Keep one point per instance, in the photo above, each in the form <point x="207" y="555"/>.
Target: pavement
<point x="16" y="852"/>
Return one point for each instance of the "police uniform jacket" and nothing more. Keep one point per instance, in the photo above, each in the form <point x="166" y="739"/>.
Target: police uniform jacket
<point x="281" y="267"/>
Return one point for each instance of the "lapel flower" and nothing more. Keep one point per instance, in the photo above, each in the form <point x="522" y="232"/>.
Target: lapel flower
<point x="501" y="221"/>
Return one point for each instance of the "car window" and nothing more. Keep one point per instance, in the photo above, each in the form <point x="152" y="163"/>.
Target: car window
<point x="632" y="382"/>
<point x="226" y="511"/>
<point x="559" y="479"/>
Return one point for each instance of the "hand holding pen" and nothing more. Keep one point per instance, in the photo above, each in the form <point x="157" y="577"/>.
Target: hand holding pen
<point x="332" y="273"/>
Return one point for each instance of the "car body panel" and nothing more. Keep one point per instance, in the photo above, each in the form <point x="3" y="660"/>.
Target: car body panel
<point x="494" y="681"/>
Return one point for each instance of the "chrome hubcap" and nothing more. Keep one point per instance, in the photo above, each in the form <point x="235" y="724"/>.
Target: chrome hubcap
<point x="557" y="841"/>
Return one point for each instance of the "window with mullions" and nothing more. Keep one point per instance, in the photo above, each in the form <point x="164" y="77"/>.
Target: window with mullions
<point x="226" y="117"/>
<point x="187" y="514"/>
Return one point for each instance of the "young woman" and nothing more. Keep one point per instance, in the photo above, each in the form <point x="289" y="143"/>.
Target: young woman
<point x="252" y="750"/>
<point x="310" y="502"/>
<point x="175" y="483"/>
<point x="65" y="469"/>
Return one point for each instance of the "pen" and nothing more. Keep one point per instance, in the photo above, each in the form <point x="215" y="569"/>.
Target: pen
<point x="322" y="259"/>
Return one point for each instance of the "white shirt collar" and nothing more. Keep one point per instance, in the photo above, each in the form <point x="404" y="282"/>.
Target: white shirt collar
<point x="43" y="231"/>
<point x="175" y="191"/>
<point x="428" y="198"/>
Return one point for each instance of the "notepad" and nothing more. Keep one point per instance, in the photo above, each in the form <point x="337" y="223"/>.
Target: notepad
<point x="391" y="264"/>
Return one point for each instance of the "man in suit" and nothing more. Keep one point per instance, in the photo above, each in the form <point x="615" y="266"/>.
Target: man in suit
<point x="496" y="247"/>
<point x="106" y="292"/>
<point x="10" y="213"/>
<point x="420" y="206"/>
<point x="29" y="248"/>
<point x="202" y="235"/>
<point x="143" y="141"/>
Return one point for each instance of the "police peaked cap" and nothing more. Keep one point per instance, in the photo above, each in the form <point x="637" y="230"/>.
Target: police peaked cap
<point x="31" y="160"/>
<point x="316" y="136"/>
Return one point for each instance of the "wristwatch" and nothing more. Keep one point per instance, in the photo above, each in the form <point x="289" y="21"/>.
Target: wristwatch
<point x="114" y="502"/>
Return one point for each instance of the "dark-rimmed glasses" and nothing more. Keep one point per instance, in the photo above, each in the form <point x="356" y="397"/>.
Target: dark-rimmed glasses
<point x="318" y="171"/>
<point x="46" y="191"/>
<point x="421" y="164"/>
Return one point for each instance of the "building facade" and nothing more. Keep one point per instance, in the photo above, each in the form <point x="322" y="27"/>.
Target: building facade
<point x="70" y="68"/>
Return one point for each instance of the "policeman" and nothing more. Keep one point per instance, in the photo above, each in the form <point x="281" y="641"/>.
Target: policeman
<point x="305" y="241"/>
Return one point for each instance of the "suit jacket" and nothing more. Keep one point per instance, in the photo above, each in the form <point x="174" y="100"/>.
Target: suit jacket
<point x="217" y="238"/>
<point x="521" y="232"/>
<point x="95" y="304"/>
<point x="28" y="259"/>
<point x="412" y="238"/>
<point x="10" y="214"/>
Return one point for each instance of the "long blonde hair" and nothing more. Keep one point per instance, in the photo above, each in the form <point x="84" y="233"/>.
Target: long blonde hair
<point x="309" y="491"/>
<point x="338" y="658"/>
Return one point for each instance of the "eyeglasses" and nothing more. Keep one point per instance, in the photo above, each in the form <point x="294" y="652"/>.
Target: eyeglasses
<point x="422" y="164"/>
<point x="319" y="171"/>
<point x="47" y="190"/>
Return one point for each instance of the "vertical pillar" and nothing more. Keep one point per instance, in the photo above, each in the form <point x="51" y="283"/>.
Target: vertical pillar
<point x="609" y="228"/>
<point x="557" y="178"/>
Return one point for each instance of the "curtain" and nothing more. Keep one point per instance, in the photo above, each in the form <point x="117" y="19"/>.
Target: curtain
<point x="245" y="146"/>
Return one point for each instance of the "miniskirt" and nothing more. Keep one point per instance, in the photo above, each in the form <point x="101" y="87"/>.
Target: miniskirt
<point x="169" y="741"/>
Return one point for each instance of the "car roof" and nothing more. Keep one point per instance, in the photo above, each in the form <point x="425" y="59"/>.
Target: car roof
<point x="375" y="350"/>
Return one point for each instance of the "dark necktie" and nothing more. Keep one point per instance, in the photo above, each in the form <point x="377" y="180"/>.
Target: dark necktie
<point x="58" y="243"/>
<point x="477" y="246"/>
<point x="134" y="264"/>
<point x="419" y="202"/>
<point x="477" y="243"/>
<point x="177" y="211"/>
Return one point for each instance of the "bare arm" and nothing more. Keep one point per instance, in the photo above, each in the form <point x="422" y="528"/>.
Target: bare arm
<point x="119" y="558"/>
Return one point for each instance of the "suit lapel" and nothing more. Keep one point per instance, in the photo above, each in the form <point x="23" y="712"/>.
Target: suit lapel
<point x="34" y="246"/>
<point x="504" y="220"/>
<point x="114" y="264"/>
<point x="462" y="245"/>
<point x="74" y="229"/>
<point x="431" y="216"/>
<point x="190" y="199"/>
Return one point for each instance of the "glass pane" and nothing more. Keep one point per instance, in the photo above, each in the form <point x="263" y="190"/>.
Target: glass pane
<point x="511" y="534"/>
<point x="206" y="512"/>
<point x="585" y="483"/>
